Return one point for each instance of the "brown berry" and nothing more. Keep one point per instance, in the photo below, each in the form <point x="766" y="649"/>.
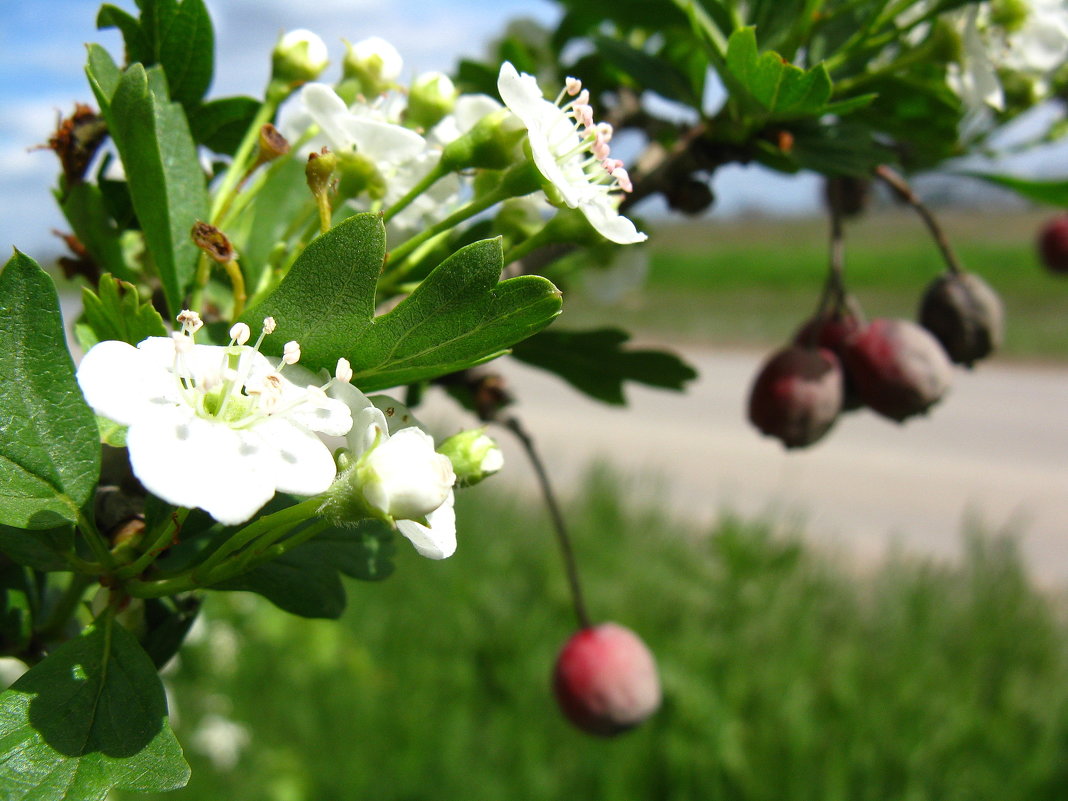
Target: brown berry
<point x="965" y="315"/>
<point x="797" y="395"/>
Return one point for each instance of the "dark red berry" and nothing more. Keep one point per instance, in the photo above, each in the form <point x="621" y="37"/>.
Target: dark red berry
<point x="1053" y="244"/>
<point x="899" y="369"/>
<point x="833" y="331"/>
<point x="965" y="315"/>
<point x="606" y="680"/>
<point x="797" y="395"/>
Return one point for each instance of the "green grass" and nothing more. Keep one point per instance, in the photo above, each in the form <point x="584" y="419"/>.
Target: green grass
<point x="754" y="282"/>
<point x="785" y="677"/>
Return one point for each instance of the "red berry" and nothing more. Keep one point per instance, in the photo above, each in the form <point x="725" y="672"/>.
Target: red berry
<point x="1053" y="244"/>
<point x="833" y="331"/>
<point x="900" y="370"/>
<point x="965" y="315"/>
<point x="605" y="680"/>
<point x="797" y="395"/>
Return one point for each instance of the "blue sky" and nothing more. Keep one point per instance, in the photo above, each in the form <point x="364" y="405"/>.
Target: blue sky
<point x="42" y="54"/>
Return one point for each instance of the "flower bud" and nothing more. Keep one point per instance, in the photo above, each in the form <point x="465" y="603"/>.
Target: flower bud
<point x="300" y="56"/>
<point x="474" y="456"/>
<point x="965" y="315"/>
<point x="432" y="95"/>
<point x="490" y="144"/>
<point x="374" y="63"/>
<point x="359" y="174"/>
<point x="403" y="477"/>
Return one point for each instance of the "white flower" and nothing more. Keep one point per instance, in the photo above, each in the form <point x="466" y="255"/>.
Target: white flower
<point x="300" y="55"/>
<point x="214" y="427"/>
<point x="397" y="472"/>
<point x="374" y="58"/>
<point x="571" y="152"/>
<point x="348" y="130"/>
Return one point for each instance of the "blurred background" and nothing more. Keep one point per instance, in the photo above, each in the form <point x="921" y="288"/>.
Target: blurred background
<point x="881" y="617"/>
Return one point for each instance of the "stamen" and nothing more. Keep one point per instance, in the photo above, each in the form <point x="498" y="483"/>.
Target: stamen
<point x="190" y="320"/>
<point x="623" y="179"/>
<point x="343" y="372"/>
<point x="291" y="352"/>
<point x="572" y="86"/>
<point x="268" y="326"/>
<point x="240" y="333"/>
<point x="605" y="130"/>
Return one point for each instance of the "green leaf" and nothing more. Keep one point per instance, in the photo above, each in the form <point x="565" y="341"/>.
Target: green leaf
<point x="780" y="89"/>
<point x="111" y="433"/>
<point x="280" y="200"/>
<point x="84" y="207"/>
<point x="595" y="362"/>
<point x="104" y="76"/>
<point x="90" y="717"/>
<point x="186" y="50"/>
<point x="306" y="580"/>
<point x="166" y="184"/>
<point x="115" y="311"/>
<point x="1053" y="193"/>
<point x="49" y="449"/>
<point x="138" y="48"/>
<point x="221" y="124"/>
<point x="41" y="550"/>
<point x="646" y="71"/>
<point x="459" y="316"/>
<point x="167" y="622"/>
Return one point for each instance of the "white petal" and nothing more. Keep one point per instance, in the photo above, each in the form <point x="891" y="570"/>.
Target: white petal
<point x="189" y="461"/>
<point x="521" y="94"/>
<point x="411" y="479"/>
<point x="439" y="540"/>
<point x="295" y="459"/>
<point x="601" y="212"/>
<point x="397" y="415"/>
<point x="125" y="384"/>
<point x="329" y="112"/>
<point x="470" y="109"/>
<point x="382" y="141"/>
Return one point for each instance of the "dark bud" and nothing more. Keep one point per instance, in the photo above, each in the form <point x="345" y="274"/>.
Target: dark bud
<point x="690" y="196"/>
<point x="965" y="315"/>
<point x="213" y="242"/>
<point x="605" y="680"/>
<point x="797" y="395"/>
<point x="272" y="144"/>
<point x="898" y="368"/>
<point x="1053" y="244"/>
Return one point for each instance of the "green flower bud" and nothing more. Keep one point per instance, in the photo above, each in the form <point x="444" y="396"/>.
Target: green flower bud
<point x="359" y="174"/>
<point x="319" y="169"/>
<point x="490" y="144"/>
<point x="1009" y="14"/>
<point x="431" y="96"/>
<point x="300" y="56"/>
<point x="374" y="63"/>
<point x="474" y="456"/>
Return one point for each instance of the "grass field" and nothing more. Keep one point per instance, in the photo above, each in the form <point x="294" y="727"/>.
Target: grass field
<point x="752" y="282"/>
<point x="786" y="677"/>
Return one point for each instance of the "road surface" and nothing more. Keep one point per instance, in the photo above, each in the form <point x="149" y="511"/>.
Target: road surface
<point x="994" y="451"/>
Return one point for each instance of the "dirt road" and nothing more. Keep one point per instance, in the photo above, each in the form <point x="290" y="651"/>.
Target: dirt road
<point x="996" y="450"/>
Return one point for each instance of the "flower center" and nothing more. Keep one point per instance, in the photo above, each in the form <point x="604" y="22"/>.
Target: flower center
<point x="590" y="151"/>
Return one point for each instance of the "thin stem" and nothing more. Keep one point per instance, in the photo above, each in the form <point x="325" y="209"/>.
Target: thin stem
<point x="240" y="539"/>
<point x="428" y="180"/>
<point x="96" y="542"/>
<point x="322" y="200"/>
<point x="166" y="535"/>
<point x="234" y="173"/>
<point x="397" y="255"/>
<point x="834" y="287"/>
<point x="237" y="282"/>
<point x="275" y="550"/>
<point x="901" y="187"/>
<point x="529" y="244"/>
<point x="559" y="526"/>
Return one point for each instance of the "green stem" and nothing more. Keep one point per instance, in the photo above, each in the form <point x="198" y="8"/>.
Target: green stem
<point x="242" y="158"/>
<point x="65" y="607"/>
<point x="531" y="243"/>
<point x="96" y="542"/>
<point x="287" y="545"/>
<point x="431" y="178"/>
<point x="289" y="516"/>
<point x="166" y="534"/>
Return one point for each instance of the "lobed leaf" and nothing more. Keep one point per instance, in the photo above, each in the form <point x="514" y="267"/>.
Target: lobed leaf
<point x="116" y="311"/>
<point x="1053" y="193"/>
<point x="49" y="449"/>
<point x="460" y="315"/>
<point x="595" y="362"/>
